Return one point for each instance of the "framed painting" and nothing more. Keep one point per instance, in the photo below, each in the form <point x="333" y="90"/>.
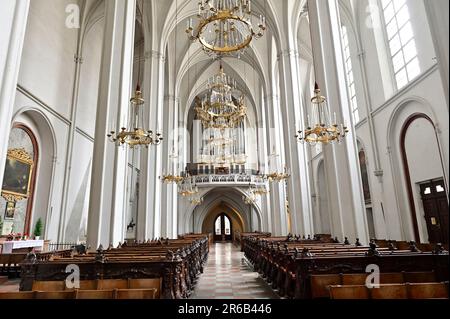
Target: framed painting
<point x="17" y="177"/>
<point x="9" y="211"/>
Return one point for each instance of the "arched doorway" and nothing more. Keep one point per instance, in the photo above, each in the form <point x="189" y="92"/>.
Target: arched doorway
<point x="214" y="218"/>
<point x="223" y="228"/>
<point x="424" y="177"/>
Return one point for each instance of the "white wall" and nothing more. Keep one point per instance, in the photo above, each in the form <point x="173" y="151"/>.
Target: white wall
<point x="45" y="100"/>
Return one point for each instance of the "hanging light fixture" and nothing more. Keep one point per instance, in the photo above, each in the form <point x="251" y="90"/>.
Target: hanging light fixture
<point x="225" y="26"/>
<point x="321" y="128"/>
<point x="278" y="176"/>
<point x="274" y="172"/>
<point x="187" y="187"/>
<point x="222" y="107"/>
<point x="260" y="190"/>
<point x="196" y="200"/>
<point x="135" y="134"/>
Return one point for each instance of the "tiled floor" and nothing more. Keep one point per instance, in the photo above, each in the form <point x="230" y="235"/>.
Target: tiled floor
<point x="228" y="275"/>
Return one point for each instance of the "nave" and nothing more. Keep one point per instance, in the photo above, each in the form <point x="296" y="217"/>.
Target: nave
<point x="143" y="141"/>
<point x="228" y="275"/>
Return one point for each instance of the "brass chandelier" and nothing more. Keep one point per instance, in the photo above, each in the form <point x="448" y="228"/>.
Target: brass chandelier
<point x="223" y="106"/>
<point x="322" y="129"/>
<point x="278" y="176"/>
<point x="196" y="200"/>
<point x="171" y="178"/>
<point x="187" y="188"/>
<point x="275" y="175"/>
<point x="225" y="26"/>
<point x="260" y="190"/>
<point x="135" y="134"/>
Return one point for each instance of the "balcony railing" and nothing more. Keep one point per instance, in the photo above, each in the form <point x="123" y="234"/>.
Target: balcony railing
<point x="231" y="179"/>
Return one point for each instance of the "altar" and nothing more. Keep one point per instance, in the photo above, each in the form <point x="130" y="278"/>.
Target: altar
<point x="9" y="246"/>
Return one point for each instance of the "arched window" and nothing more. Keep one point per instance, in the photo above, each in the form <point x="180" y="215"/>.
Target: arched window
<point x="223" y="228"/>
<point x="350" y="75"/>
<point x="18" y="219"/>
<point x="400" y="37"/>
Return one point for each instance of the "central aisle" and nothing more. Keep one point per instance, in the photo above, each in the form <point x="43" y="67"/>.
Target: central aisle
<point x="228" y="275"/>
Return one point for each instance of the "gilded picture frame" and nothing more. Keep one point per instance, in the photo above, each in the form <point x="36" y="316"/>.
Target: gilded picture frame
<point x="18" y="174"/>
<point x="9" y="211"/>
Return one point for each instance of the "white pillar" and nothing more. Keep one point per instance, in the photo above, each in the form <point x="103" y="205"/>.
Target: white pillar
<point x="13" y="23"/>
<point x="149" y="214"/>
<point x="107" y="205"/>
<point x="296" y="154"/>
<point x="347" y="209"/>
<point x="437" y="12"/>
<point x="169" y="196"/>
<point x="278" y="212"/>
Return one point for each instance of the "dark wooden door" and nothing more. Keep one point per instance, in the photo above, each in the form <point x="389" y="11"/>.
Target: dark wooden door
<point x="223" y="228"/>
<point x="435" y="205"/>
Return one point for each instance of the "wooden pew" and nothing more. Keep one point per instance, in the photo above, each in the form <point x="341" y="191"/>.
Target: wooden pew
<point x="107" y="284"/>
<point x="171" y="267"/>
<point x="427" y="290"/>
<point x="17" y="295"/>
<point x="389" y="291"/>
<point x="64" y="294"/>
<point x="95" y="294"/>
<point x="349" y="292"/>
<point x="280" y="263"/>
<point x="320" y="283"/>
<point x="392" y="291"/>
<point x="146" y="284"/>
<point x="48" y="285"/>
<point x="136" y="294"/>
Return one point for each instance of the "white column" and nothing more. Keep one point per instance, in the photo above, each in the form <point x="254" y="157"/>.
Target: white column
<point x="169" y="191"/>
<point x="296" y="154"/>
<point x="437" y="12"/>
<point x="347" y="209"/>
<point x="277" y="196"/>
<point x="149" y="214"/>
<point x="13" y="23"/>
<point x="263" y="161"/>
<point x="108" y="185"/>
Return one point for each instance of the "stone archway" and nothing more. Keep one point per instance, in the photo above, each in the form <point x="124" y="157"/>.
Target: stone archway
<point x="237" y="222"/>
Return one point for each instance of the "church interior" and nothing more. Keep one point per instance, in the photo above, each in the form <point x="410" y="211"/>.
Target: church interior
<point x="224" y="149"/>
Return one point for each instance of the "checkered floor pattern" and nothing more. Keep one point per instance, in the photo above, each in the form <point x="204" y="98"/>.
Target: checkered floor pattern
<point x="228" y="275"/>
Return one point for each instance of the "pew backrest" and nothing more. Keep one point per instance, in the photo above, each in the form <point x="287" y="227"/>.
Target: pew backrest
<point x="137" y="294"/>
<point x="349" y="292"/>
<point x="146" y="283"/>
<point x="57" y="295"/>
<point x="95" y="294"/>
